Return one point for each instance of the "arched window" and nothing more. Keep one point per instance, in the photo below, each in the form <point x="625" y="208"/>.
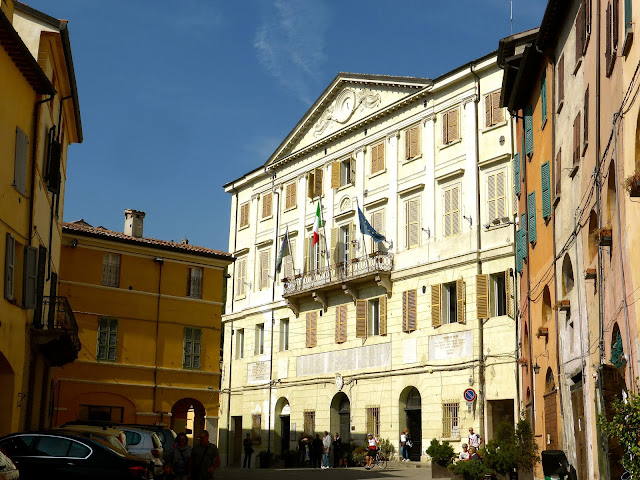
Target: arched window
<point x="570" y="332"/>
<point x="593" y="240"/>
<point x="611" y="195"/>
<point x="546" y="305"/>
<point x="617" y="348"/>
<point x="567" y="275"/>
<point x="549" y="382"/>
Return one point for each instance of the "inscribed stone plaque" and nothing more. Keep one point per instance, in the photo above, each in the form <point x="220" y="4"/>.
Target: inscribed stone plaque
<point x="370" y="356"/>
<point x="410" y="351"/>
<point x="258" y="372"/>
<point x="283" y="368"/>
<point x="450" y="346"/>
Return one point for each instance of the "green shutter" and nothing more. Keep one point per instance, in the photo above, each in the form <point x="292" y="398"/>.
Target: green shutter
<point x="543" y="95"/>
<point x="519" y="251"/>
<point x="546" y="190"/>
<point x="523" y="155"/>
<point x="528" y="129"/>
<point x="523" y="235"/>
<point x="516" y="173"/>
<point x="531" y="209"/>
<point x="627" y="14"/>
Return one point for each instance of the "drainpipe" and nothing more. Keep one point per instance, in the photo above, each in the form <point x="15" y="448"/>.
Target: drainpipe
<point x="515" y="285"/>
<point x="160" y="262"/>
<point x="233" y="285"/>
<point x="481" y="366"/>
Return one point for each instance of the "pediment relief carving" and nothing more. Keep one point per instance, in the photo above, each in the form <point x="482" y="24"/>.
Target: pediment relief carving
<point x="341" y="110"/>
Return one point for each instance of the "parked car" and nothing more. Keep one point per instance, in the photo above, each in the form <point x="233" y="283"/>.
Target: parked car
<point x="109" y="435"/>
<point x="166" y="435"/>
<point x="55" y="454"/>
<point x="145" y="444"/>
<point x="8" y="470"/>
<point x="98" y="426"/>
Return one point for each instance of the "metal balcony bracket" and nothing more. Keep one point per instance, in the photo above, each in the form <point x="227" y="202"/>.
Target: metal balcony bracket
<point x="294" y="307"/>
<point x="320" y="298"/>
<point x="346" y="288"/>
<point x="384" y="281"/>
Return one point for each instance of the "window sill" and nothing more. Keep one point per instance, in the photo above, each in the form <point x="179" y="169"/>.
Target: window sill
<point x="409" y="160"/>
<point x="556" y="201"/>
<point x="584" y="149"/>
<point x="450" y="144"/>
<point x="544" y="123"/>
<point x="628" y="40"/>
<point x="574" y="170"/>
<point x="264" y="219"/>
<point x="373" y="175"/>
<point x="495" y="126"/>
<point x="450" y="439"/>
<point x="577" y="67"/>
<point x="290" y="208"/>
<point x="110" y="286"/>
<point x="243" y="227"/>
<point x="560" y="105"/>
<point x="344" y="187"/>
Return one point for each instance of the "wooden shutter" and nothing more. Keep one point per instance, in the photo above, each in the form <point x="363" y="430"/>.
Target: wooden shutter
<point x="436" y="305"/>
<point x="580" y="32"/>
<point x="290" y="196"/>
<point x="361" y="318"/>
<point x="576" y="140"/>
<point x="531" y="209"/>
<point x="288" y="260"/>
<point x="244" y="214"/>
<point x="266" y="205"/>
<point x="9" y="266"/>
<point x="307" y="255"/>
<point x="519" y="250"/>
<point x="445" y="124"/>
<point x="509" y="289"/>
<point x="322" y="248"/>
<point x="335" y="245"/>
<point x="341" y="324"/>
<point x="317" y="182"/>
<point x="543" y="95"/>
<point x="352" y="243"/>
<point x="558" y="172"/>
<point x="311" y="340"/>
<point x="615" y="25"/>
<point x="455" y="210"/>
<point x="487" y="110"/>
<point x="409" y="311"/>
<point x="377" y="222"/>
<point x="447" y="213"/>
<point x="501" y="195"/>
<point x="496" y="111"/>
<point x="561" y="79"/>
<point x="586" y="116"/>
<point x="241" y="274"/>
<point x="545" y="179"/>
<point x="412" y="142"/>
<point x="491" y="197"/>
<point x="523" y="232"/>
<point x="264" y="269"/>
<point x="377" y="158"/>
<point x="516" y="173"/>
<point x="352" y="167"/>
<point x="452" y="125"/>
<point x="412" y="215"/>
<point x="53" y="292"/>
<point x="382" y="303"/>
<point x="607" y="51"/>
<point x="310" y="184"/>
<point x="20" y="163"/>
<point x="30" y="277"/>
<point x="42" y="262"/>
<point x="528" y="129"/>
<point x="335" y="175"/>
<point x="460" y="298"/>
<point x="482" y="296"/>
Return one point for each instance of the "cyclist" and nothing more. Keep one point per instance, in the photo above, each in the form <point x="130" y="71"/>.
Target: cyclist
<point x="372" y="449"/>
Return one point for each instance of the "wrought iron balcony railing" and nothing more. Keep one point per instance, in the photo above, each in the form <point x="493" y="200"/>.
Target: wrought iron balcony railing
<point x="357" y="268"/>
<point x="58" y="329"/>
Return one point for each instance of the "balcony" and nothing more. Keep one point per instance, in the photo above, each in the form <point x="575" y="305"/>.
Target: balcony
<point x="55" y="331"/>
<point x="373" y="268"/>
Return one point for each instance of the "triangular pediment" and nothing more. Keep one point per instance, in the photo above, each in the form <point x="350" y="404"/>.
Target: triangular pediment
<point x="348" y="103"/>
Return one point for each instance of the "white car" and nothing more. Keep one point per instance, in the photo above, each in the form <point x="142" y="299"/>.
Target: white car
<point x="8" y="470"/>
<point x="145" y="444"/>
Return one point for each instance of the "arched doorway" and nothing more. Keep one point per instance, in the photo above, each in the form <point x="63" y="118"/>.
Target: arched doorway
<point x="550" y="411"/>
<point x="187" y="415"/>
<point x="282" y="426"/>
<point x="340" y="416"/>
<point x="7" y="397"/>
<point x="411" y="418"/>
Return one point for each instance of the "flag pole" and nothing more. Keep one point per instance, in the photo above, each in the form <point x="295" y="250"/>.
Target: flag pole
<point x="364" y="245"/>
<point x="324" y="234"/>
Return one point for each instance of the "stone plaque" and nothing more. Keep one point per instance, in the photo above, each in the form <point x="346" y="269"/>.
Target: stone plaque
<point x="258" y="372"/>
<point x="450" y="346"/>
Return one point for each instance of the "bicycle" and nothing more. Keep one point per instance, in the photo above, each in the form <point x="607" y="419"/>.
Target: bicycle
<point x="380" y="460"/>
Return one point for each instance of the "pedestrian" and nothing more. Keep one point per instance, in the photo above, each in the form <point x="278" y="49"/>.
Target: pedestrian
<point x="326" y="448"/>
<point x="464" y="454"/>
<point x="372" y="448"/>
<point x="473" y="454"/>
<point x="475" y="440"/>
<point x="337" y="450"/>
<point x="317" y="451"/>
<point x="408" y="443"/>
<point x="248" y="450"/>
<point x="205" y="458"/>
<point x="178" y="457"/>
<point x="303" y="454"/>
<point x="167" y="473"/>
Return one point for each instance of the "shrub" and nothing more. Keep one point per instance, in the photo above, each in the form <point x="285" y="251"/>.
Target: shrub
<point x="387" y="447"/>
<point x="512" y="448"/>
<point x="358" y="455"/>
<point x="470" y="470"/>
<point x="441" y="453"/>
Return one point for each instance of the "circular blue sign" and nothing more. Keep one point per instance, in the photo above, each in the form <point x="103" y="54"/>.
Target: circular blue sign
<point x="469" y="394"/>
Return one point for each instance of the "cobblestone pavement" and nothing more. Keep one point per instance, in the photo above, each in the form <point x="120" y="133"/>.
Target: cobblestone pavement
<point x="393" y="471"/>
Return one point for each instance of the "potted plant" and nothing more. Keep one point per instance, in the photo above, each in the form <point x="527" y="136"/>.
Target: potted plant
<point x="622" y="426"/>
<point x="470" y="470"/>
<point x="358" y="456"/>
<point x="387" y="447"/>
<point x="441" y="457"/>
<point x="265" y="458"/>
<point x="603" y="235"/>
<point x="632" y="184"/>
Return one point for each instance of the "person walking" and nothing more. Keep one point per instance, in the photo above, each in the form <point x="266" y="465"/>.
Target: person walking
<point x="475" y="440"/>
<point x="248" y="450"/>
<point x="178" y="457"/>
<point x="403" y="441"/>
<point x="205" y="458"/>
<point x="372" y="448"/>
<point x="408" y="443"/>
<point x="326" y="448"/>
<point x="303" y="453"/>
<point x="337" y="450"/>
<point x="317" y="451"/>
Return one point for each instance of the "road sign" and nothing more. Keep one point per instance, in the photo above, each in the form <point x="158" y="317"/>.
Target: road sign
<point x="469" y="395"/>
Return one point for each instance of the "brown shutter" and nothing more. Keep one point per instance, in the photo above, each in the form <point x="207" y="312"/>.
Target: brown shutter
<point x="407" y="144"/>
<point x="361" y="318"/>
<point x="413" y="222"/>
<point x="335" y="175"/>
<point x="352" y="243"/>
<point x="317" y="182"/>
<point x="487" y="110"/>
<point x="335" y="250"/>
<point x="445" y="127"/>
<point x="310" y="184"/>
<point x="496" y="111"/>
<point x="452" y="131"/>
<point x="491" y="197"/>
<point x="615" y="25"/>
<point x="307" y="255"/>
<point x="607" y="51"/>
<point x="436" y="305"/>
<point x="455" y="210"/>
<point x="586" y="115"/>
<point x="460" y="294"/>
<point x="352" y="166"/>
<point x="311" y="329"/>
<point x="339" y="321"/>
<point x="405" y="312"/>
<point x="580" y="31"/>
<point x="509" y="292"/>
<point x="383" y="314"/>
<point x="561" y="79"/>
<point x="559" y="172"/>
<point x="380" y="162"/>
<point x="409" y="313"/>
<point x="374" y="159"/>
<point x="482" y="296"/>
<point x="447" y="213"/>
<point x="576" y="139"/>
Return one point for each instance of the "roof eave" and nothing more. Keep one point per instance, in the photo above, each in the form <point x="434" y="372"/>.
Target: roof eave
<point x="66" y="46"/>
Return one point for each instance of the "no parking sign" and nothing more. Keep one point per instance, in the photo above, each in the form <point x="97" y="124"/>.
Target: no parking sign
<point x="470" y="396"/>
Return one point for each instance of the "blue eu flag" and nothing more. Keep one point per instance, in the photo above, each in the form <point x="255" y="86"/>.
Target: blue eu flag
<point x="367" y="229"/>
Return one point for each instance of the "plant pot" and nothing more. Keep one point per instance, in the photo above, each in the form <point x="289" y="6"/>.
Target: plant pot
<point x="634" y="188"/>
<point x="605" y="238"/>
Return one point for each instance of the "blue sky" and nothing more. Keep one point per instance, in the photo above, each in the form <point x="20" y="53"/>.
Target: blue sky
<point x="179" y="98"/>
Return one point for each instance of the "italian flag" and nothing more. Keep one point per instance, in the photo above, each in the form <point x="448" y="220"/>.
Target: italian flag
<point x="317" y="224"/>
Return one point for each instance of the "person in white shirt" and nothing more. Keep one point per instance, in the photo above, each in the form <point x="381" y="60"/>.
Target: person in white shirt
<point x="464" y="454"/>
<point x="474" y="439"/>
<point x="326" y="446"/>
<point x="372" y="448"/>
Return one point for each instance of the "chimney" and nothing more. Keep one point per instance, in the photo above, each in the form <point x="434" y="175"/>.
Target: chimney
<point x="133" y="223"/>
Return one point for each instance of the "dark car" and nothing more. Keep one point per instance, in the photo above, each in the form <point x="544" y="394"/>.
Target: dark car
<point x="166" y="435"/>
<point x="62" y="455"/>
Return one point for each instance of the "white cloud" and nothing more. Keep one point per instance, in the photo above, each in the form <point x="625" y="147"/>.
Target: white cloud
<point x="290" y="45"/>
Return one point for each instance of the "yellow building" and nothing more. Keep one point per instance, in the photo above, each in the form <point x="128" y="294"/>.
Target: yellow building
<point x="149" y="314"/>
<point x="39" y="119"/>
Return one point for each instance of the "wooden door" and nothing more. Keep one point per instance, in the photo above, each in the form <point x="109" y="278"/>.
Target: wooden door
<point x="551" y="421"/>
<point x="577" y="406"/>
<point x="237" y="440"/>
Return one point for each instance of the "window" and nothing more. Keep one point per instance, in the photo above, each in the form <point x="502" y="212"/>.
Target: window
<point x="451" y="213"/>
<point x="313" y="254"/>
<point x="531" y="209"/>
<point x="263" y="274"/>
<point x="192" y="337"/>
<point x="194" y="283"/>
<point x="343" y="173"/>
<point x="110" y="269"/>
<point x="288" y="260"/>
<point x="558" y="172"/>
<point x="259" y="343"/>
<point x="107" y="339"/>
<point x="341" y="324"/>
<point x="284" y="334"/>
<point x="496" y="196"/>
<point x="239" y="343"/>
<point x="449" y="303"/>
<point x="412" y="142"/>
<point x="498" y="293"/>
<point x="543" y="96"/>
<point x="377" y="222"/>
<point x="377" y="158"/>
<point x="492" y="111"/>
<point x="586" y="120"/>
<point x="450" y="423"/>
<point x="576" y="141"/>
<point x="545" y="181"/>
<point x="528" y="130"/>
<point x="560" y="83"/>
<point x="312" y="322"/>
<point x="9" y="267"/>
<point x="30" y="277"/>
<point x="52" y="447"/>
<point x="291" y="199"/>
<point x="267" y="200"/>
<point x="580" y="29"/>
<point x="256" y="428"/>
<point x="371" y="317"/>
<point x="450" y="126"/>
<point x="373" y="421"/>
<point x="244" y="215"/>
<point x="412" y="222"/>
<point x="345" y="243"/>
<point x="612" y="27"/>
<point x="314" y="183"/>
<point x="309" y="421"/>
<point x="409" y="311"/>
<point x="20" y="162"/>
<point x="241" y="277"/>
<point x="100" y="412"/>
